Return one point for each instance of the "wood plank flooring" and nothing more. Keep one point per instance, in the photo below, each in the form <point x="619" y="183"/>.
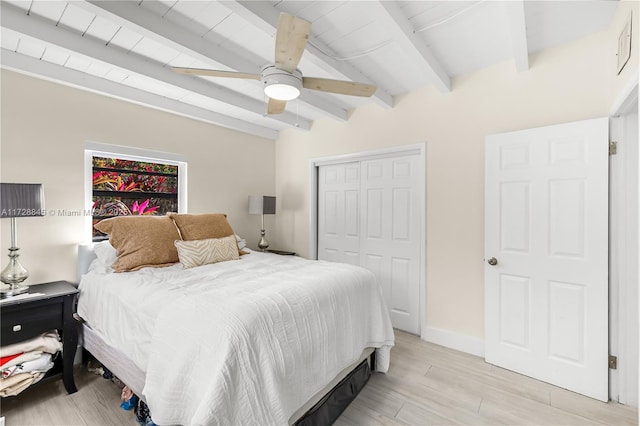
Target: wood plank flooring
<point x="427" y="384"/>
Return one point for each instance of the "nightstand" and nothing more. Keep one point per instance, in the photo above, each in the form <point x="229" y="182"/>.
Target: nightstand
<point x="282" y="252"/>
<point x="23" y="319"/>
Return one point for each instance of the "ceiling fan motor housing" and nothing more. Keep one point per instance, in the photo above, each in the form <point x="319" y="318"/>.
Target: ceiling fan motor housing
<point x="280" y="84"/>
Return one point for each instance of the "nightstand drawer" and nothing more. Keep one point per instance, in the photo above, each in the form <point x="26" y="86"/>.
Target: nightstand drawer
<point x="19" y="325"/>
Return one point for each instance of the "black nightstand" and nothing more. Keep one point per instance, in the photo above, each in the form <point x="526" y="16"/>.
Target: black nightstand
<point x="282" y="252"/>
<point x="23" y="319"/>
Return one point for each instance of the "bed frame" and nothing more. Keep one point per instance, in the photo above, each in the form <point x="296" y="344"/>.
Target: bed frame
<point x="321" y="409"/>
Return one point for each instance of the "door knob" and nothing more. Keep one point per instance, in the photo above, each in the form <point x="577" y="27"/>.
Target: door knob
<point x="492" y="261"/>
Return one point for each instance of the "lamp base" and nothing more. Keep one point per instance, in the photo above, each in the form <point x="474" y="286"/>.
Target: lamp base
<point x="13" y="275"/>
<point x="13" y="290"/>
<point x="263" y="244"/>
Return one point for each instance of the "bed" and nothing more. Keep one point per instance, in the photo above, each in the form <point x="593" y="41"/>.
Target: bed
<point x="263" y="339"/>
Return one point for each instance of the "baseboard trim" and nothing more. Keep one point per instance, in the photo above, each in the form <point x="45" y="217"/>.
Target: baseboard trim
<point x="450" y="339"/>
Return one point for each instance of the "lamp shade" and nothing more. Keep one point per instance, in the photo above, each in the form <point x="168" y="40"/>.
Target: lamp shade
<point x="262" y="204"/>
<point x="21" y="200"/>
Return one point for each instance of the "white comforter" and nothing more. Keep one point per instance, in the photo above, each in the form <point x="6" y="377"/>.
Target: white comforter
<point x="238" y="342"/>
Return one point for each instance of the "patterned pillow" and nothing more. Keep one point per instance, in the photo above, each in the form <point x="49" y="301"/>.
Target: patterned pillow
<point x="202" y="226"/>
<point x="203" y="252"/>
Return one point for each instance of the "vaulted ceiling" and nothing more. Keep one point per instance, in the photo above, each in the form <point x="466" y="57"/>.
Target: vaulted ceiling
<point x="125" y="49"/>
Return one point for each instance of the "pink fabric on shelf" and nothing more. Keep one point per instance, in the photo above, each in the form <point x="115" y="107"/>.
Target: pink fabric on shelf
<point x="27" y="356"/>
<point x="6" y="359"/>
<point x="39" y="365"/>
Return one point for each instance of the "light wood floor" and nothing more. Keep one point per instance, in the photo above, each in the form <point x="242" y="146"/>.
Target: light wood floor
<point x="426" y="384"/>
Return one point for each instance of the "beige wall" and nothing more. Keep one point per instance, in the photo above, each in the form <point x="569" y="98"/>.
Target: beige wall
<point x="630" y="72"/>
<point x="572" y="82"/>
<point x="44" y="128"/>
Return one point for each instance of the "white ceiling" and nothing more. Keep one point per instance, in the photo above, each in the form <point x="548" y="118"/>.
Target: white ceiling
<point x="125" y="49"/>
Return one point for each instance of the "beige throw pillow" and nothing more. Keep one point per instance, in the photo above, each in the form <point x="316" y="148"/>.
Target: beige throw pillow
<point x="202" y="226"/>
<point x="203" y="252"/>
<point x="141" y="241"/>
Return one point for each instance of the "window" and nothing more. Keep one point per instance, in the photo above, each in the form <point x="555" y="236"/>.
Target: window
<point x="123" y="185"/>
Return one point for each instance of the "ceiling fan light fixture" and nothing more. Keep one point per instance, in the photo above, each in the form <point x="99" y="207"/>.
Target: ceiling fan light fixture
<point x="281" y="85"/>
<point x="281" y="92"/>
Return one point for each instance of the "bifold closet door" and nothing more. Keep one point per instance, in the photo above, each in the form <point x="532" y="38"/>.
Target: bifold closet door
<point x="390" y="242"/>
<point x="368" y="215"/>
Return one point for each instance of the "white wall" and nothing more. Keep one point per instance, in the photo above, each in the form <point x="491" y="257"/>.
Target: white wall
<point x="573" y="82"/>
<point x="44" y="128"/>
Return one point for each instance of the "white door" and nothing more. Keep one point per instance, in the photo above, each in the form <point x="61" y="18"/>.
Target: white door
<point x="390" y="244"/>
<point x="546" y="225"/>
<point x="339" y="213"/>
<point x="369" y="215"/>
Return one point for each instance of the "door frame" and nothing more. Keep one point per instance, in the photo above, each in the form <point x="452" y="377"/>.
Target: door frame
<point x="418" y="149"/>
<point x="623" y="171"/>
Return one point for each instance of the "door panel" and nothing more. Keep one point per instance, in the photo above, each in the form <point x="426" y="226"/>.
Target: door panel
<point x="374" y="212"/>
<point x="514" y="311"/>
<point x="352" y="213"/>
<point x="566" y="218"/>
<point x="515" y="223"/>
<point x="339" y="213"/>
<point x="401" y="214"/>
<point x="546" y="222"/>
<point x="566" y="319"/>
<point x="330" y="212"/>
<point x="400" y="286"/>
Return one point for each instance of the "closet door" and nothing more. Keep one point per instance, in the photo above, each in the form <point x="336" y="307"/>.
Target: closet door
<point x="390" y="234"/>
<point x="339" y="213"/>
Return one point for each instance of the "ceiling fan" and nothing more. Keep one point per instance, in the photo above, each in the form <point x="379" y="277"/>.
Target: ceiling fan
<point x="282" y="81"/>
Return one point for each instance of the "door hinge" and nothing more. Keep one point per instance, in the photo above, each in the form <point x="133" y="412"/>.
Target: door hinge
<point x="613" y="362"/>
<point x="613" y="148"/>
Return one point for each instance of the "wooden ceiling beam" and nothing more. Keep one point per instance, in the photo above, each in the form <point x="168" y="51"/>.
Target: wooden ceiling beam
<point x="412" y="44"/>
<point x="518" y="29"/>
<point x="264" y="16"/>
<point x="44" y="31"/>
<point x="41" y="69"/>
<point x="211" y="50"/>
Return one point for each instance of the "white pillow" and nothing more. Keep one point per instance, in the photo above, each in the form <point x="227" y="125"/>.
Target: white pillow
<point x="242" y="243"/>
<point x="105" y="253"/>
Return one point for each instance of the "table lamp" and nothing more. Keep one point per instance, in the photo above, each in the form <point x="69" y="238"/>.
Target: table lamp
<point x="262" y="204"/>
<point x="18" y="200"/>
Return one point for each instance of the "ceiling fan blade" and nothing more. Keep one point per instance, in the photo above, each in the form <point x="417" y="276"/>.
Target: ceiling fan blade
<point x="338" y="86"/>
<point x="291" y="39"/>
<point x="276" y="106"/>
<point x="216" y="73"/>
